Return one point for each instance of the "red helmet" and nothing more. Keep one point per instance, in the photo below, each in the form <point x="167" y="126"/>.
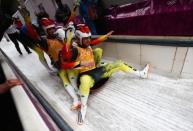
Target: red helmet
<point x="47" y="23"/>
<point x="82" y="31"/>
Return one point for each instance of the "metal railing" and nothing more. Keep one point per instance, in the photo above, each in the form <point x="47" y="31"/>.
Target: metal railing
<point x="152" y="40"/>
<point x="50" y="110"/>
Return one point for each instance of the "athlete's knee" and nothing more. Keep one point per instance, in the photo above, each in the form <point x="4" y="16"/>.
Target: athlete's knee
<point x="37" y="50"/>
<point x="86" y="82"/>
<point x="64" y="77"/>
<point x="40" y="53"/>
<point x="98" y="51"/>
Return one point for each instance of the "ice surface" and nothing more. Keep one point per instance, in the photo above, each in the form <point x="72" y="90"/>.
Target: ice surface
<point x="124" y="103"/>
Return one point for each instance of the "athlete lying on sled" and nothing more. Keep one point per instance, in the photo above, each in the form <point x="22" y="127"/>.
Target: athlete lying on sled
<point x="80" y="63"/>
<point x="83" y="65"/>
<point x="35" y="37"/>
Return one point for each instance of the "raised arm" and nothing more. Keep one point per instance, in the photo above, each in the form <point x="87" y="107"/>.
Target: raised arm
<point x="69" y="54"/>
<point x="101" y="38"/>
<point x="67" y="48"/>
<point x="73" y="12"/>
<point x="31" y="32"/>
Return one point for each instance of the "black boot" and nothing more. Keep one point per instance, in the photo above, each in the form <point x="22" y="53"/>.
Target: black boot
<point x="29" y="52"/>
<point x="20" y="53"/>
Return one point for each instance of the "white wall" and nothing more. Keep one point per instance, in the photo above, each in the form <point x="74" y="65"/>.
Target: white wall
<point x="187" y="70"/>
<point x="176" y="61"/>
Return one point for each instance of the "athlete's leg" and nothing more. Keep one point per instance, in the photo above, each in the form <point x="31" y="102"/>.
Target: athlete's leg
<point x="73" y="77"/>
<point x="121" y="66"/>
<point x="98" y="52"/>
<point x="86" y="82"/>
<point x="69" y="89"/>
<point x="14" y="40"/>
<point x="42" y="58"/>
<point x="21" y="40"/>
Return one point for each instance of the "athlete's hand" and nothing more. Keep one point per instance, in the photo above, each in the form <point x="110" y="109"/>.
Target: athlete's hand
<point x="13" y="82"/>
<point x="110" y="33"/>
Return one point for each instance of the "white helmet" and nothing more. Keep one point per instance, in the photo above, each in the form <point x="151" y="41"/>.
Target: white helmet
<point x="82" y="31"/>
<point x="70" y="28"/>
<point x="61" y="35"/>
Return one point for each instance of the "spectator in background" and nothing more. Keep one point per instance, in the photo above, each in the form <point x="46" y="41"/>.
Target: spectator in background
<point x="9" y="118"/>
<point x="88" y="12"/>
<point x="17" y="23"/>
<point x="5" y="85"/>
<point x="6" y="20"/>
<point x="14" y="36"/>
<point x="6" y="11"/>
<point x="63" y="13"/>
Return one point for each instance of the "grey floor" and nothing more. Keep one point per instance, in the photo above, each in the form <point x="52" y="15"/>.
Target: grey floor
<point x="125" y="102"/>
